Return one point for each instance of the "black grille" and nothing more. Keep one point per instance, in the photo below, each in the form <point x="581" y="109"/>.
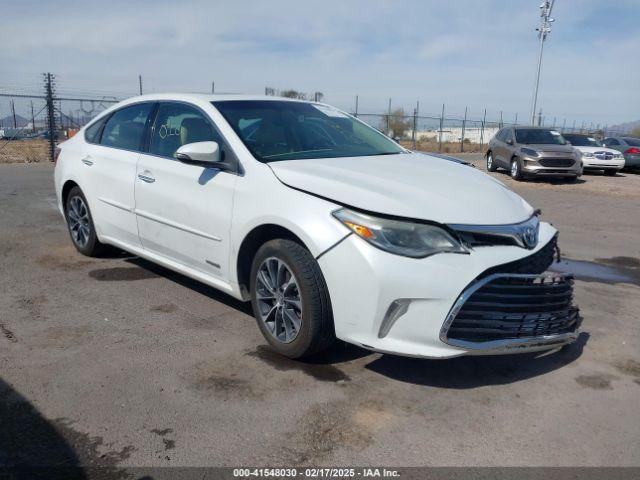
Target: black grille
<point x="533" y="264"/>
<point x="556" y="162"/>
<point x="509" y="307"/>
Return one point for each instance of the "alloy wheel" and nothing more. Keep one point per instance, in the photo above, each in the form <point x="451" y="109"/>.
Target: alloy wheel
<point x="489" y="161"/>
<point x="278" y="299"/>
<point x="79" y="223"/>
<point x="514" y="169"/>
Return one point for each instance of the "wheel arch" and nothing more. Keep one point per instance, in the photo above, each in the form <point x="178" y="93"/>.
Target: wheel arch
<point x="66" y="188"/>
<point x="250" y="244"/>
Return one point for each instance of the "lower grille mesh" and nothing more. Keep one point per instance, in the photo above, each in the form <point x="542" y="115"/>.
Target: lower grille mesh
<point x="556" y="162"/>
<point x="508" y="307"/>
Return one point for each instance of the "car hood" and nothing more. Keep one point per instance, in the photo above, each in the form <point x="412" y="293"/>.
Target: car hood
<point x="410" y="185"/>
<point x="550" y="148"/>
<point x="597" y="149"/>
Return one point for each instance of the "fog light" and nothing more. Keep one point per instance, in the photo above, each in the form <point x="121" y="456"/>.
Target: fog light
<point x="397" y="308"/>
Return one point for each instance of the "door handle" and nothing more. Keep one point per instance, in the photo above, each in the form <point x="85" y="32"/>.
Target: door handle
<point x="146" y="178"/>
<point x="87" y="160"/>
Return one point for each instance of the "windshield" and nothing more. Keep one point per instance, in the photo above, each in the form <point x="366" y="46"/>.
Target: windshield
<point x="582" y="141"/>
<point x="634" y="142"/>
<point x="281" y="130"/>
<point x="539" y="136"/>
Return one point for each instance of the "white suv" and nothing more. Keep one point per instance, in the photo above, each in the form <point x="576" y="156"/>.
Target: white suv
<point x="330" y="228"/>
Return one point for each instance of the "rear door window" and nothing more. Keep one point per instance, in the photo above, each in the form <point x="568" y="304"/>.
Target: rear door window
<point x="125" y="128"/>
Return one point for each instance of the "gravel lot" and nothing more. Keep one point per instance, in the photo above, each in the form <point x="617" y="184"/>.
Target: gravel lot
<point x="117" y="362"/>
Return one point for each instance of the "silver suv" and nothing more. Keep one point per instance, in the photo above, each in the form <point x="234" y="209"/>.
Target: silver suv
<point x="533" y="152"/>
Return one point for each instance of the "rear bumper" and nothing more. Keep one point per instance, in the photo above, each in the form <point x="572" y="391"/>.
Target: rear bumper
<point x="632" y="160"/>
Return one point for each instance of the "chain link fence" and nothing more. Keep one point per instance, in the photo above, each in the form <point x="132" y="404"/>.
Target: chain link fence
<point x="31" y="123"/>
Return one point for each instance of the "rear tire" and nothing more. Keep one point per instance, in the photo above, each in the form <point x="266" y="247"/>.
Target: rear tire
<point x="80" y="224"/>
<point x="516" y="169"/>
<point x="290" y="299"/>
<point x="491" y="164"/>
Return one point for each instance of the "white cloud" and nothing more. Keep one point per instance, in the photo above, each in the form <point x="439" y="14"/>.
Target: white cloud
<point x="472" y="53"/>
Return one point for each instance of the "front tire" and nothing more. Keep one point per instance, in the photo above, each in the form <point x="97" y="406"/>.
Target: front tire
<point x="80" y="224"/>
<point x="290" y="299"/>
<point x="491" y="164"/>
<point x="516" y="169"/>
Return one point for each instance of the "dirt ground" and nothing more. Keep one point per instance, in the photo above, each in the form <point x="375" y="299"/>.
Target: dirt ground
<point x="23" y="151"/>
<point x="120" y="363"/>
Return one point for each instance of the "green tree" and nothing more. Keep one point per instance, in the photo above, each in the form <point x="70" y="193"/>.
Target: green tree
<point x="396" y="124"/>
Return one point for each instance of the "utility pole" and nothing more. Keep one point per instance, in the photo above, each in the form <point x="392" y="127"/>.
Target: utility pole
<point x="33" y="118"/>
<point x="140" y="83"/>
<point x="464" y="124"/>
<point x="13" y="112"/>
<point x="441" y="127"/>
<point x="544" y="29"/>
<point x="356" y="112"/>
<point x="213" y="87"/>
<point x="415" y="125"/>
<point x="51" y="119"/>
<point x="484" y="119"/>
<point x="389" y="118"/>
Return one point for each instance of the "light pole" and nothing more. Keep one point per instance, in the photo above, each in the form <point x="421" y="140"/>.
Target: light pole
<point x="543" y="30"/>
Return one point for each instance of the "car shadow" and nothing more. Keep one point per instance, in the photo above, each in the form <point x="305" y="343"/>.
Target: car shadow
<point x="476" y="371"/>
<point x="29" y="443"/>
<point x="457" y="373"/>
<point x="195" y="285"/>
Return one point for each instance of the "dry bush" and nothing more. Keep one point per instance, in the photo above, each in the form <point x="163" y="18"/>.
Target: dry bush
<point x="24" y="151"/>
<point x="432" y="145"/>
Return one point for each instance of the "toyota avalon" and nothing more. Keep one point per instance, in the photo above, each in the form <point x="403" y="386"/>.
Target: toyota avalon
<point x="329" y="228"/>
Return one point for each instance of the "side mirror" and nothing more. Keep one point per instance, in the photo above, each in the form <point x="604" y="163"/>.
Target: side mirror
<point x="206" y="154"/>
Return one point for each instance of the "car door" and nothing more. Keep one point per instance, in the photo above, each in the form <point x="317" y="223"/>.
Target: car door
<point x="111" y="163"/>
<point x="184" y="210"/>
<point x="500" y="148"/>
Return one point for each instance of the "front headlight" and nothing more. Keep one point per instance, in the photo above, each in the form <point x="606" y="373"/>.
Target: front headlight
<point x="587" y="154"/>
<point x="410" y="239"/>
<point x="529" y="151"/>
<point x="617" y="155"/>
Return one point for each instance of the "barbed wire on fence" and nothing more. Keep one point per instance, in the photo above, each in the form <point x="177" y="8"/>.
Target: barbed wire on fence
<point x="62" y="111"/>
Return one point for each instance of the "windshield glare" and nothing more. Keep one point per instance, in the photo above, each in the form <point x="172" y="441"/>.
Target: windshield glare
<point x="282" y="130"/>
<point x="539" y="136"/>
<point x="582" y="141"/>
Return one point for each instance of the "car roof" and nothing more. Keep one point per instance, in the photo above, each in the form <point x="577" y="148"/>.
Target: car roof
<point x="209" y="97"/>
<point x="531" y="127"/>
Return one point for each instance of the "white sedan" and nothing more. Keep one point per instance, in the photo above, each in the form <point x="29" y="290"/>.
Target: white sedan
<point x="327" y="226"/>
<point x="594" y="155"/>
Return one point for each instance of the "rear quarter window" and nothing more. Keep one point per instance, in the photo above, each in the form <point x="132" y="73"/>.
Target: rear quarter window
<point x="93" y="131"/>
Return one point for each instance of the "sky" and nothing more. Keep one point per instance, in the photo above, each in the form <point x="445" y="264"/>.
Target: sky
<point x="463" y="53"/>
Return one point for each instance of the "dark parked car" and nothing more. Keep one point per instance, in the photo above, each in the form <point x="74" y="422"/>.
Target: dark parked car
<point x="630" y="148"/>
<point x="533" y="152"/>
